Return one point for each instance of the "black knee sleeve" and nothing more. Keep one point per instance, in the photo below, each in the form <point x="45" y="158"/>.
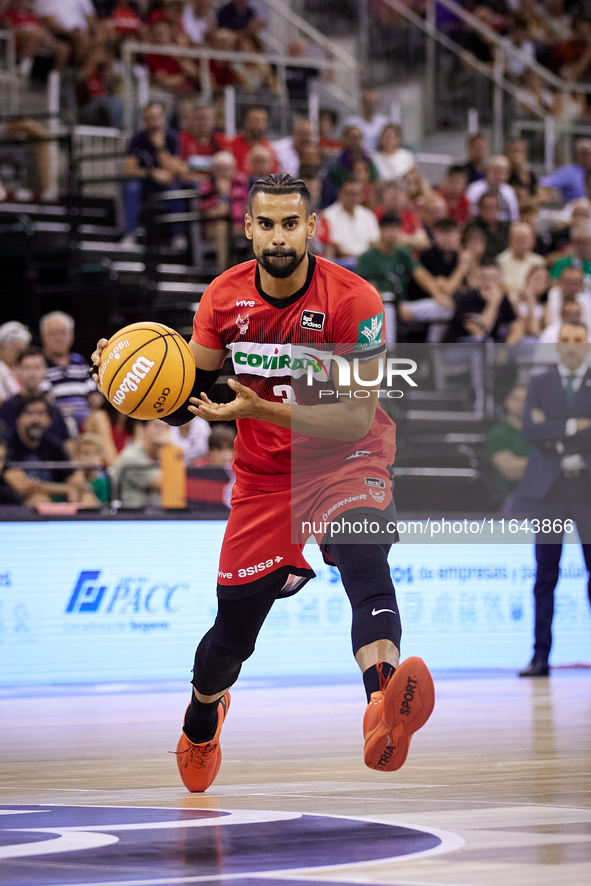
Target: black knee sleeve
<point x="366" y="576"/>
<point x="231" y="640"/>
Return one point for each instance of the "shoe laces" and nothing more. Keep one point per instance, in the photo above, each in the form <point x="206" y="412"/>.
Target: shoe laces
<point x="197" y="755"/>
<point x="383" y="679"/>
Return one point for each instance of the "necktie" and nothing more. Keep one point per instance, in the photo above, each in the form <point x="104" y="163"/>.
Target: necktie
<point x="570" y="390"/>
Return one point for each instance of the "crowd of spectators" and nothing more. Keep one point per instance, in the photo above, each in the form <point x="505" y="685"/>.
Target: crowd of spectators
<point x="61" y="441"/>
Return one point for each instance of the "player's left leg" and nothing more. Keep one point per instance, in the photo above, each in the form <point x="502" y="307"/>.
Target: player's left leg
<point x="400" y="697"/>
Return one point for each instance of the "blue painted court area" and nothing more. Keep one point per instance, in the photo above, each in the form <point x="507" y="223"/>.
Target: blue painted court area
<point x="51" y="845"/>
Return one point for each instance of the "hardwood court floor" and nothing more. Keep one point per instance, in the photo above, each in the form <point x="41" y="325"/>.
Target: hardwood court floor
<point x="504" y="765"/>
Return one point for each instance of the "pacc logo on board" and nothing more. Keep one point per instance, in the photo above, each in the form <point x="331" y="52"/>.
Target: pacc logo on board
<point x="129" y="596"/>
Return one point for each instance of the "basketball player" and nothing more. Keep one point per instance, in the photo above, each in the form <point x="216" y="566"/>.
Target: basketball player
<point x="342" y="448"/>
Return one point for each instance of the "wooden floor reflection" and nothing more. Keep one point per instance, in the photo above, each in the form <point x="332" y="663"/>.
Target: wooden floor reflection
<point x="504" y="765"/>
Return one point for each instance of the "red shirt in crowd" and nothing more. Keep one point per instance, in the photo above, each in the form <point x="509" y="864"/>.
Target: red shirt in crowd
<point x="20" y="21"/>
<point x="191" y="148"/>
<point x="461" y="212"/>
<point x="241" y="150"/>
<point x="410" y="220"/>
<point x="126" y="20"/>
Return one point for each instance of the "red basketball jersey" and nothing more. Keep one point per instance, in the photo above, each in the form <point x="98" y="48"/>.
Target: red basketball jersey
<point x="281" y="348"/>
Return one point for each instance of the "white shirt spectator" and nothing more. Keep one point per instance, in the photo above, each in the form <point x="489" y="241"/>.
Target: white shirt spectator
<point x="508" y="206"/>
<point x="70" y="14"/>
<point x="196" y="28"/>
<point x="289" y="159"/>
<point x="194" y="445"/>
<point x="9" y="385"/>
<point x="352" y="232"/>
<point x="514" y="271"/>
<point x="515" y="66"/>
<point x="393" y="166"/>
<point x="370" y="130"/>
<point x="555" y="306"/>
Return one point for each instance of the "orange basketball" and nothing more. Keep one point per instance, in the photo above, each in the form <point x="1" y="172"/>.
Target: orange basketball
<point x="147" y="370"/>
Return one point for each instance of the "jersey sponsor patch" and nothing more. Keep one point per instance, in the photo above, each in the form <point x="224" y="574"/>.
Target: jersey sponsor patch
<point x="312" y="320"/>
<point x="369" y="333"/>
<point x="270" y="360"/>
<point x="376" y="482"/>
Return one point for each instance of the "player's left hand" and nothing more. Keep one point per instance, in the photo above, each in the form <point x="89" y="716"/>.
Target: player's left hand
<point x="244" y="406"/>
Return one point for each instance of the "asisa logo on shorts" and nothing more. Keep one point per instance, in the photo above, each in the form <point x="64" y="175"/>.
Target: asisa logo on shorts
<point x="312" y="320"/>
<point x="369" y="333"/>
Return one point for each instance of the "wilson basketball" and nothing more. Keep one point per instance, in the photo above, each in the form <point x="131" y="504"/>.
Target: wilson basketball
<point x="147" y="370"/>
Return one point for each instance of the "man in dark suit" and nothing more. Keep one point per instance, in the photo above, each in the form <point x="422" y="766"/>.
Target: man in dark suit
<point x="557" y="480"/>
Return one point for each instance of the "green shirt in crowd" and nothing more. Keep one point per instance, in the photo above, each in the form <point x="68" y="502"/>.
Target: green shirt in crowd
<point x="388" y="272"/>
<point x="571" y="261"/>
<point x="505" y="437"/>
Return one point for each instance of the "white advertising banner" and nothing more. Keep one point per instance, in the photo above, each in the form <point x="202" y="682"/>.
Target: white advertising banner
<point x="119" y="601"/>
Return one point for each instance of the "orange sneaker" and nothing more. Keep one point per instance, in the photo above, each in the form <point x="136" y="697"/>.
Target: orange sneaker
<point x="200" y="763"/>
<point x="402" y="705"/>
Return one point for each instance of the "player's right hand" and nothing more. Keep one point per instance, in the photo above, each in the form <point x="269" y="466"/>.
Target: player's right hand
<point x="96" y="358"/>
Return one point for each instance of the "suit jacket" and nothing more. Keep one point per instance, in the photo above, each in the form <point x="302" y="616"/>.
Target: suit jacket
<point x="548" y="440"/>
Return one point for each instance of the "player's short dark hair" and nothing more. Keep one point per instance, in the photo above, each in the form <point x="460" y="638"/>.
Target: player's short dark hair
<point x="33" y="351"/>
<point x="390" y="220"/>
<point x="28" y="401"/>
<point x="456" y="169"/>
<point x="445" y="224"/>
<point x="280" y="184"/>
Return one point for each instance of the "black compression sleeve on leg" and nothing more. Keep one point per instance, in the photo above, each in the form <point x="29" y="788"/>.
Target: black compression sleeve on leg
<point x="204" y="381"/>
<point x="366" y="576"/>
<point x="232" y="639"/>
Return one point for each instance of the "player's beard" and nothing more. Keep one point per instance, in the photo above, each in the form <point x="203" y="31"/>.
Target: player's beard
<point x="285" y="267"/>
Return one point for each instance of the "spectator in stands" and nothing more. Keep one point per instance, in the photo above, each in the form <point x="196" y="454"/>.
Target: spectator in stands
<point x="479" y="44"/>
<point x="8" y="495"/>
<point x="153" y="165"/>
<point x="224" y="199"/>
<point x="534" y="97"/>
<point x="31" y="443"/>
<point x="569" y="181"/>
<point x="254" y="134"/>
<point x="370" y="122"/>
<point x="347" y="229"/>
<point x="521" y="178"/>
<point x="24" y="129"/>
<point x="477" y="153"/>
<point x="31" y="36"/>
<point x="262" y="161"/>
<point x="221" y="72"/>
<point x="198" y="20"/>
<point x="444" y="262"/>
<point x="579" y="255"/>
<point x="488" y="221"/>
<point x="418" y="189"/>
<point x="239" y="16"/>
<point x="576" y="215"/>
<point x="289" y="150"/>
<point x="256" y="79"/>
<point x="570" y="287"/>
<point x="98" y="105"/>
<point x="574" y="54"/>
<point x="341" y="168"/>
<point x="520" y="38"/>
<point x="452" y="190"/>
<point x="392" y="197"/>
<point x="137" y="472"/>
<point x="91" y="451"/>
<point x="297" y="79"/>
<point x="528" y="306"/>
<point x="191" y="438"/>
<point x="569" y="313"/>
<point x="507" y="447"/>
<point x="170" y="72"/>
<point x="14" y="339"/>
<point x="67" y="372"/>
<point x="30" y="370"/>
<point x="518" y="259"/>
<point x="124" y="22"/>
<point x="329" y="146"/>
<point x="485" y="313"/>
<point x="495" y="181"/>
<point x="390" y="159"/>
<point x="390" y="267"/>
<point x="201" y="141"/>
<point x="72" y="21"/>
<point x="220" y="448"/>
<point x="432" y="209"/>
<point x="557" y="23"/>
